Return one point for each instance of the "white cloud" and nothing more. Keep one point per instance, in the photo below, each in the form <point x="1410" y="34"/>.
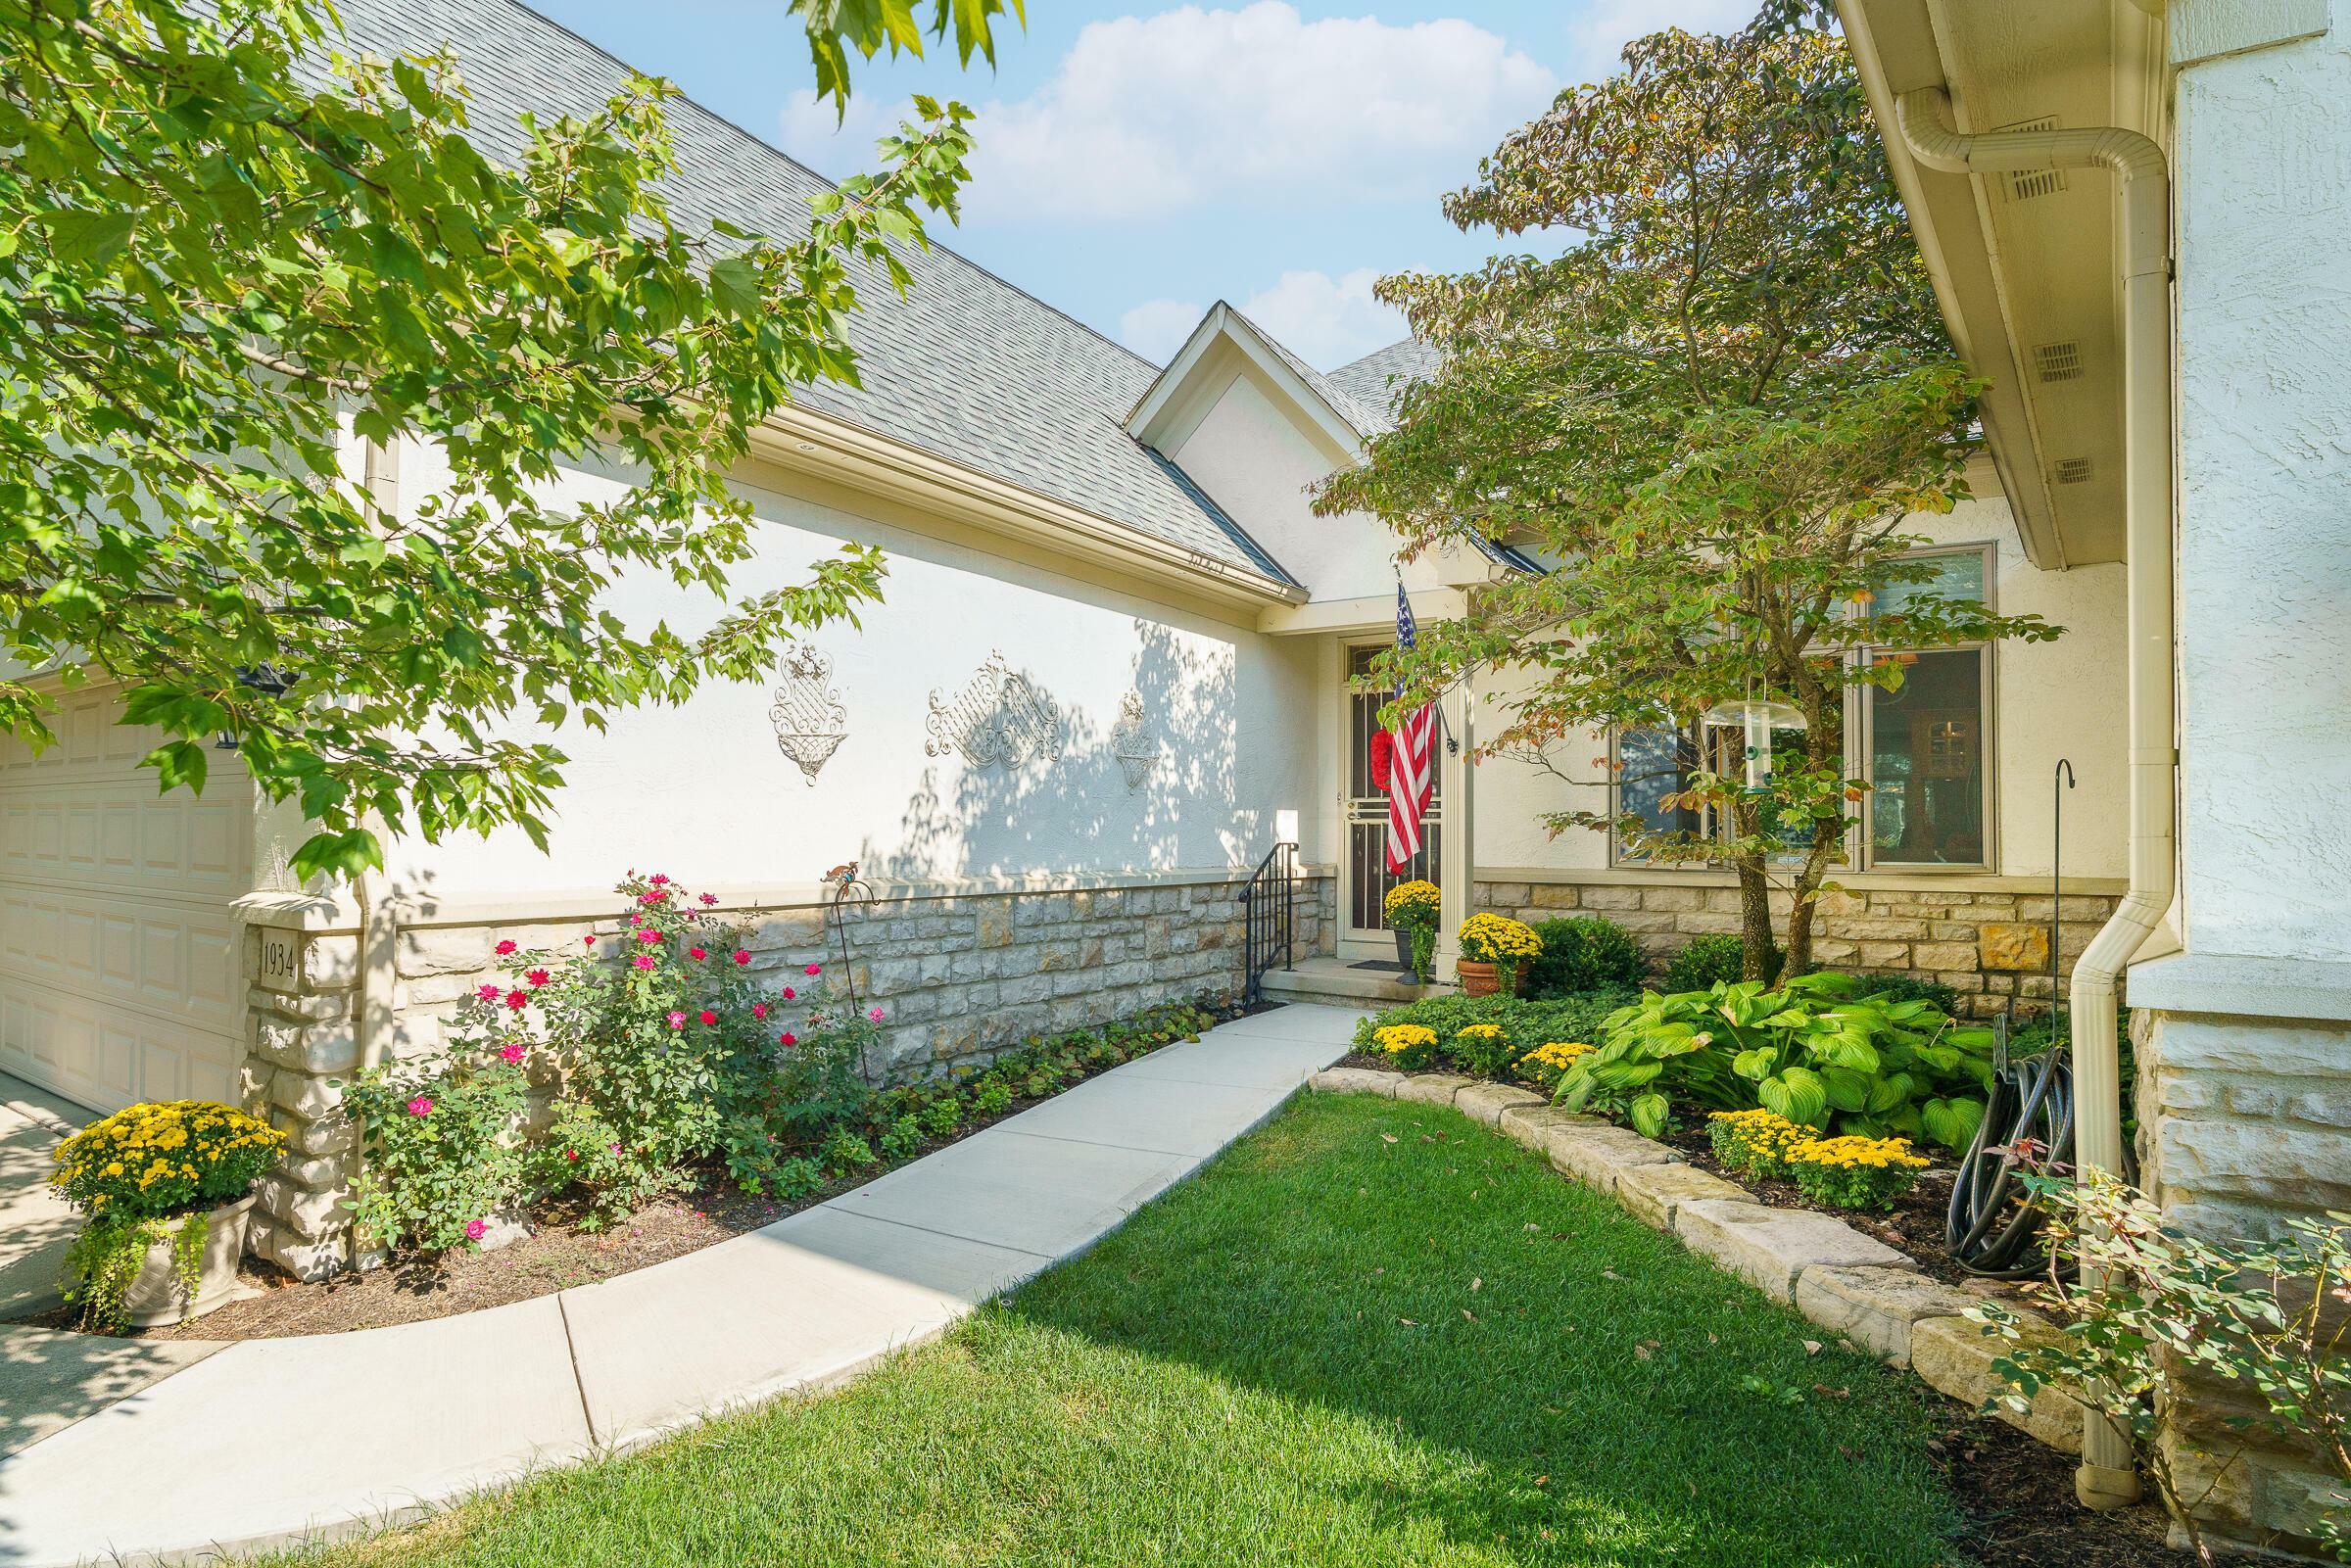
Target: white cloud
<point x="1157" y="328"/>
<point x="1326" y="322"/>
<point x="1597" y="37"/>
<point x="1149" y="115"/>
<point x="819" y="136"/>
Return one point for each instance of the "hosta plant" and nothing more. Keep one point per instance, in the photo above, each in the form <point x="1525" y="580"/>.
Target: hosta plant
<point x="1810" y="1050"/>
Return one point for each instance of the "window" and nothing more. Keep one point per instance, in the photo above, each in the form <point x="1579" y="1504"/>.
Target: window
<point x="1924" y="748"/>
<point x="1926" y="754"/>
<point x="1656" y="762"/>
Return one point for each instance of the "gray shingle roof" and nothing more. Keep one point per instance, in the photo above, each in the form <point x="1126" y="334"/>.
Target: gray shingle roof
<point x="1379" y="378"/>
<point x="1360" y="418"/>
<point x="966" y="366"/>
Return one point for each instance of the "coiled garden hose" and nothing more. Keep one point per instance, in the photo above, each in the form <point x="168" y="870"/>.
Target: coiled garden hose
<point x="1993" y="1226"/>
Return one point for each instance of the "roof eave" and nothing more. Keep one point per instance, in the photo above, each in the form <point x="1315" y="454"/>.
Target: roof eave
<point x="802" y="439"/>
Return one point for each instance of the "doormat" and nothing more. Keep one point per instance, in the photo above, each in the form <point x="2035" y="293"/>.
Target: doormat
<point x="1387" y="965"/>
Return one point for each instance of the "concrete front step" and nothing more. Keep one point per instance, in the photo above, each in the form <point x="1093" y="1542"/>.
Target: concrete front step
<point x="1333" y="982"/>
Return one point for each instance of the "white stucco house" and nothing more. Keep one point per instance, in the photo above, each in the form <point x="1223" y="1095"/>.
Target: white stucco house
<point x="1118" y="663"/>
<point x="1118" y="658"/>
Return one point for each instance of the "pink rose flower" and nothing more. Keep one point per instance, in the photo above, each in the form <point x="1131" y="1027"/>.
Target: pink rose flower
<point x="488" y="993"/>
<point x="503" y="948"/>
<point x="658" y="880"/>
<point x="759" y="1010"/>
<point x="420" y="1107"/>
<point x="788" y="1038"/>
<point x="677" y="1020"/>
<point x="516" y="1001"/>
<point x="511" y="1054"/>
<point x="475" y="1230"/>
<point x="648" y="934"/>
<point x="743" y="955"/>
<point x="874" y="1012"/>
<point x="709" y="1016"/>
<point x="645" y="961"/>
<point x="616" y="1147"/>
<point x="698" y="954"/>
<point x="710" y="899"/>
<point x="636" y="920"/>
<point x="790" y="993"/>
<point x="537" y="977"/>
<point x="814" y="968"/>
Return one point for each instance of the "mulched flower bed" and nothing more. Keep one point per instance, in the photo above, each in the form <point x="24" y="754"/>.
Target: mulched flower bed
<point x="2018" y="1497"/>
<point x="558" y="1254"/>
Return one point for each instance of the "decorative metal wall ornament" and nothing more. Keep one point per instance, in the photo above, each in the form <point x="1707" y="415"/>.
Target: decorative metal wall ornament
<point x="810" y="719"/>
<point x="997" y="717"/>
<point x="1134" y="742"/>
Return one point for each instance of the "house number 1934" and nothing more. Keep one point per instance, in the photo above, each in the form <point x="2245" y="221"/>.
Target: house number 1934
<point x="282" y="961"/>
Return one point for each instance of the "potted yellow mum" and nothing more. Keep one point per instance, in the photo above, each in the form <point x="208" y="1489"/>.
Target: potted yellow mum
<point x="1495" y="953"/>
<point x="165" y="1187"/>
<point x="1411" y="911"/>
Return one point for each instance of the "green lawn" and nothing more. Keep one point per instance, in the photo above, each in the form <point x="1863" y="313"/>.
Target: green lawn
<point x="1373" y="1332"/>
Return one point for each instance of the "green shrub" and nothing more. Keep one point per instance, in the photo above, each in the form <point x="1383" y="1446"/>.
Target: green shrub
<point x="1482" y="1050"/>
<point x="1585" y="953"/>
<point x="1854" y="1172"/>
<point x="991" y="1097"/>
<point x="941" y="1117"/>
<point x="1717" y="959"/>
<point x="843" y="1152"/>
<point x="903" y="1140"/>
<point x="1810" y="1050"/>
<point x="441" y="1149"/>
<point x="1909" y="988"/>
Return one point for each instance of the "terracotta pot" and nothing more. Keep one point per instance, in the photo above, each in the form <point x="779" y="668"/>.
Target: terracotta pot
<point x="1478" y="979"/>
<point x="155" y="1299"/>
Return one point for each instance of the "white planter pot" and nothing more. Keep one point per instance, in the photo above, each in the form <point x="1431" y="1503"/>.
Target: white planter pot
<point x="155" y="1299"/>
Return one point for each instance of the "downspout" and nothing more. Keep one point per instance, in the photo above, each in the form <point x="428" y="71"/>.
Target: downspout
<point x="373" y="1004"/>
<point x="2107" y="1478"/>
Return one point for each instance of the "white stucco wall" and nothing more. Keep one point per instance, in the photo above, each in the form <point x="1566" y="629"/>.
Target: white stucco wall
<point x="2265" y="468"/>
<point x="2049" y="701"/>
<point x="1256" y="459"/>
<point x="703" y="793"/>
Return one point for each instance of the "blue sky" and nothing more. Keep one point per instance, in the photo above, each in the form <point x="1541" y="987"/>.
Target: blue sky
<point x="1138" y="161"/>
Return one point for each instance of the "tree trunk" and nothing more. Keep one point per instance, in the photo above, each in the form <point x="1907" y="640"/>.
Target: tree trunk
<point x="1799" y="935"/>
<point x="1755" y="919"/>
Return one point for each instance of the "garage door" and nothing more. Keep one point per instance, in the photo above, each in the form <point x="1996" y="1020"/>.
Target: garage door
<point x="120" y="974"/>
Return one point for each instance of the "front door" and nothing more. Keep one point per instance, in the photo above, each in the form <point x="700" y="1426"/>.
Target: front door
<point x="1364" y="875"/>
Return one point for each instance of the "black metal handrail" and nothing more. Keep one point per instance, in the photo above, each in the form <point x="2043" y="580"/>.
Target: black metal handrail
<point x="1268" y="921"/>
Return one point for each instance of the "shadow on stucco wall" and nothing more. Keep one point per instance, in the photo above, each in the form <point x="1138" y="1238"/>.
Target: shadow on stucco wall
<point x="1079" y="813"/>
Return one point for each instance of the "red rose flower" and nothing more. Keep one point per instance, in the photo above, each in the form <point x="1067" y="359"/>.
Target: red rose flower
<point x="709" y="1016"/>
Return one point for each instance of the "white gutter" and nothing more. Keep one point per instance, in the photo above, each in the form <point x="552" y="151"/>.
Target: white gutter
<point x="2107" y="1478"/>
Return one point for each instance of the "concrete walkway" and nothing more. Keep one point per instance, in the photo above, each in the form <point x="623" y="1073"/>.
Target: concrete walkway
<point x="133" y="1452"/>
<point x="34" y="1223"/>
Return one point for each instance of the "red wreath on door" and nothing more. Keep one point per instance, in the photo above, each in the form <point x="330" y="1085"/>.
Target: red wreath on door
<point x="1383" y="758"/>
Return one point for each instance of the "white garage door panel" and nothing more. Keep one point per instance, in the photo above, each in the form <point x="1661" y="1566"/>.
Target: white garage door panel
<point x="119" y="974"/>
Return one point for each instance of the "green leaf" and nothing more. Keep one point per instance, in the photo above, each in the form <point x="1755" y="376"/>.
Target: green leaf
<point x="735" y="284"/>
<point x="85" y="238"/>
<point x="1648" y="1113"/>
<point x="1797" y="1093"/>
<point x="1951" y="1122"/>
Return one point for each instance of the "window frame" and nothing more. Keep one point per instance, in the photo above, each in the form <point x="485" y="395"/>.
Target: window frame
<point x="1860" y="751"/>
<point x="1864" y="732"/>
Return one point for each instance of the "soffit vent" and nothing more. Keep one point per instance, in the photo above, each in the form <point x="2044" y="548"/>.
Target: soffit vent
<point x="2073" y="471"/>
<point x="2057" y="361"/>
<point x="2024" y="185"/>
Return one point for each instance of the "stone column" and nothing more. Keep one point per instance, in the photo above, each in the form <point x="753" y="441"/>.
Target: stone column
<point x="302" y="1006"/>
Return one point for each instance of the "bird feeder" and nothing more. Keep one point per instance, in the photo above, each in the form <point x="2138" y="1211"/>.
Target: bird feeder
<point x="1756" y="720"/>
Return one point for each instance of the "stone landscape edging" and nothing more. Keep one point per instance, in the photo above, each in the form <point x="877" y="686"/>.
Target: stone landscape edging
<point x="1853" y="1286"/>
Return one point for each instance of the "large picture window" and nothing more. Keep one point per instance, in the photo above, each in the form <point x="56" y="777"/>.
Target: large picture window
<point x="1925" y="748"/>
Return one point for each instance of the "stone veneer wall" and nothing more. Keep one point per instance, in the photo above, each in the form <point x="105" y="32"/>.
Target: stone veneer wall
<point x="961" y="975"/>
<point x="2244" y="1123"/>
<point x="1988" y="945"/>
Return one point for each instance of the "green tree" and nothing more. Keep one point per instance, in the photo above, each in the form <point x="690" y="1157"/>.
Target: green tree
<point x="234" y="254"/>
<point x="1712" y="412"/>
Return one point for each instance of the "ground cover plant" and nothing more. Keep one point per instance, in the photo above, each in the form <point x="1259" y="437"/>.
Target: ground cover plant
<point x="1521" y="1026"/>
<point x="1371" y="1333"/>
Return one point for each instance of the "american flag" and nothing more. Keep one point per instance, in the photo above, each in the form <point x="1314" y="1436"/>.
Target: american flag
<point x="1412" y="773"/>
